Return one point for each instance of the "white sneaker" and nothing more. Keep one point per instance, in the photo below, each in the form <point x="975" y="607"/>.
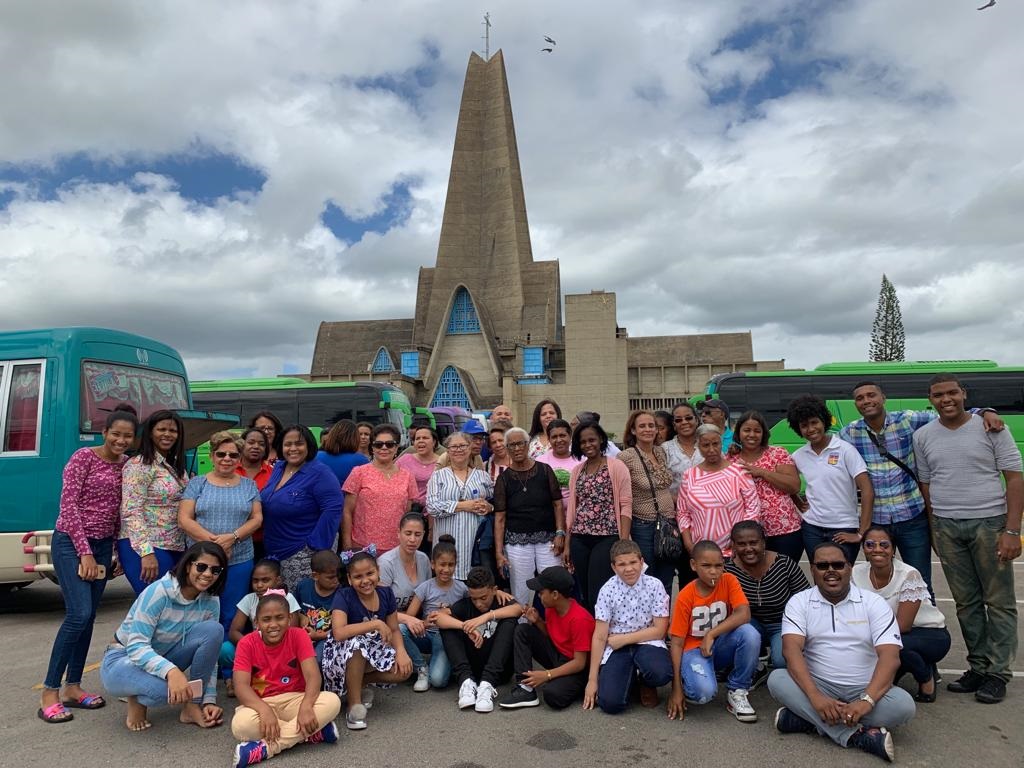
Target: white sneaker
<point x="740" y="706"/>
<point x="467" y="694"/>
<point x="422" y="680"/>
<point x="355" y="720"/>
<point x="485" y="695"/>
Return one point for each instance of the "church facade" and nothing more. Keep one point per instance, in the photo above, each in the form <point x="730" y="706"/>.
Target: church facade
<point x="488" y="325"/>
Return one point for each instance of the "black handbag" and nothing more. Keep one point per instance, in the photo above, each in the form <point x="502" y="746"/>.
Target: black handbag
<point x="668" y="544"/>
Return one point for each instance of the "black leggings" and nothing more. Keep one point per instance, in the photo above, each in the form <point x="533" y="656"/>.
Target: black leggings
<point x="923" y="648"/>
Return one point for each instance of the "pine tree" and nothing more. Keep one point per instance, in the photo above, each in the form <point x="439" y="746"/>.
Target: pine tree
<point x="887" y="336"/>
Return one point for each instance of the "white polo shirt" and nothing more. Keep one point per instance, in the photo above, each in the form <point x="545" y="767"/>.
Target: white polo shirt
<point x="840" y="639"/>
<point x="831" y="489"/>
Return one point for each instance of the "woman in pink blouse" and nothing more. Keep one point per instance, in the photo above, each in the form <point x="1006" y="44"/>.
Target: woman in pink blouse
<point x="776" y="480"/>
<point x="377" y="495"/>
<point x="83" y="542"/>
<point x="714" y="495"/>
<point x="421" y="461"/>
<point x="151" y="542"/>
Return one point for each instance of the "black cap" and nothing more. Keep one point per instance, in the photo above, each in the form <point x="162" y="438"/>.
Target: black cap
<point x="556" y="577"/>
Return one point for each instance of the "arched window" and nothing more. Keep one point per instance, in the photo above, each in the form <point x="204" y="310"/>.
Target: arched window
<point x="450" y="392"/>
<point x="463" y="318"/>
<point x="383" y="363"/>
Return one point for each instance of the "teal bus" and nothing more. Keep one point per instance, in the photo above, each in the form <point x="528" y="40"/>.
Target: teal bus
<point x="317" y="404"/>
<point x="905" y="385"/>
<point x="57" y="387"/>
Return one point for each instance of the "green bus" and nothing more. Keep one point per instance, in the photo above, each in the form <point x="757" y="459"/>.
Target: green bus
<point x="905" y="385"/>
<point x="57" y="386"/>
<point x="317" y="405"/>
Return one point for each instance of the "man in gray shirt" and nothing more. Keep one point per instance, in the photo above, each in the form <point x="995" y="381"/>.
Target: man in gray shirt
<point x="976" y="529"/>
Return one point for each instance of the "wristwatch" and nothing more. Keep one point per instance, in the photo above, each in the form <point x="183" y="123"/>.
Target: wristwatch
<point x="866" y="697"/>
<point x="1008" y="532"/>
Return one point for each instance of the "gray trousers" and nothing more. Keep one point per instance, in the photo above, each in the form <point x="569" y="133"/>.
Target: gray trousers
<point x="895" y="708"/>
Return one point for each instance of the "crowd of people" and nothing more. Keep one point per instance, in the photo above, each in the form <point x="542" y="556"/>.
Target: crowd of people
<point x="304" y="576"/>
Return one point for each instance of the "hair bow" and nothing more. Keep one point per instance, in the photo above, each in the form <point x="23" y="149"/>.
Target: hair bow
<point x="348" y="554"/>
<point x="280" y="592"/>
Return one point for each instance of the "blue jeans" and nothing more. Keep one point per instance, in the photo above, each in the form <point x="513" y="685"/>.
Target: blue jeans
<point x="132" y="563"/>
<point x="197" y="652"/>
<point x="739" y="648"/>
<point x="815" y="535"/>
<point x="81" y="599"/>
<point x="616" y="675"/>
<point x="771" y="636"/>
<point x="236" y="587"/>
<point x="913" y="538"/>
<point x="439" y="669"/>
<point x="226" y="659"/>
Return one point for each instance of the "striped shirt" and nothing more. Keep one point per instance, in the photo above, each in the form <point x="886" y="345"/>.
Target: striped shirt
<point x="711" y="503"/>
<point x="769" y="594"/>
<point x="444" y="491"/>
<point x="158" y="620"/>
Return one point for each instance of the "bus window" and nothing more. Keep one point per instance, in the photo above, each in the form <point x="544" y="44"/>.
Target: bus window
<point x="21" y="425"/>
<point x="105" y="384"/>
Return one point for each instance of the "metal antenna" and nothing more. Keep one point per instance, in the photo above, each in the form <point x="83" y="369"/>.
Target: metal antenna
<point x="487" y="36"/>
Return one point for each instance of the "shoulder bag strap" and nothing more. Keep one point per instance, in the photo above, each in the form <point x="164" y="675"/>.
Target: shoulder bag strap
<point x="886" y="455"/>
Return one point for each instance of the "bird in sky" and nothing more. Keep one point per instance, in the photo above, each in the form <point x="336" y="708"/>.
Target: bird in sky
<point x="549" y="40"/>
<point x="987" y="5"/>
<point x="547" y="50"/>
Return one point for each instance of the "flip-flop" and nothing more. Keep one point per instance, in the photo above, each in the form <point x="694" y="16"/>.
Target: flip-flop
<point x="52" y="714"/>
<point x="86" y="701"/>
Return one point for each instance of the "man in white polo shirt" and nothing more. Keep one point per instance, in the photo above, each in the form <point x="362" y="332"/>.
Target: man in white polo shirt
<point x="834" y="472"/>
<point x="842" y="649"/>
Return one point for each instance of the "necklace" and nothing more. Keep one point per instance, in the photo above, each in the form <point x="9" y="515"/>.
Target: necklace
<point x="388" y="471"/>
<point x="888" y="578"/>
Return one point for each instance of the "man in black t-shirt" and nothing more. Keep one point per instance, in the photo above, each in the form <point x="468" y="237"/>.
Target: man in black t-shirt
<point x="478" y="641"/>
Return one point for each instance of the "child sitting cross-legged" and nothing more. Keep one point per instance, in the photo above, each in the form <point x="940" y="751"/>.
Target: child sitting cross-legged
<point x="277" y="682"/>
<point x="629" y="640"/>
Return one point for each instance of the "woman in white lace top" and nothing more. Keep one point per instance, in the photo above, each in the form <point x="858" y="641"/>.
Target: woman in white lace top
<point x="923" y="627"/>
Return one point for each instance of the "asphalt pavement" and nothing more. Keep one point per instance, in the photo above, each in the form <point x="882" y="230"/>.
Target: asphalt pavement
<point x="427" y="729"/>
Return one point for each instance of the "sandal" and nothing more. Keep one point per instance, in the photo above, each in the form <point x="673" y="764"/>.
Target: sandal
<point x="86" y="701"/>
<point x="55" y="713"/>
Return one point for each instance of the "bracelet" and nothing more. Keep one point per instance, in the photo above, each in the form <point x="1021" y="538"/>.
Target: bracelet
<point x="1008" y="532"/>
<point x="559" y="533"/>
<point x="235" y="534"/>
<point x="549" y="674"/>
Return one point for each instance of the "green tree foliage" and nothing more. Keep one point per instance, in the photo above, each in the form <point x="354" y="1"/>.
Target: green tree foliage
<point x="887" y="335"/>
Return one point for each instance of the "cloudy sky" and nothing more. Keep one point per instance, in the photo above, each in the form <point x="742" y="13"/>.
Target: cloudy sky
<point x="224" y="176"/>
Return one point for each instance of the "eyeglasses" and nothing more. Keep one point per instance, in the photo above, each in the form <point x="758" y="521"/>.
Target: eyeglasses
<point x="459" y="447"/>
<point x="877" y="545"/>
<point x="215" y="570"/>
<point x="831" y="565"/>
<point x="681" y="419"/>
<point x="707" y="413"/>
<point x="226" y="454"/>
<point x="384" y="443"/>
<point x="517" y="444"/>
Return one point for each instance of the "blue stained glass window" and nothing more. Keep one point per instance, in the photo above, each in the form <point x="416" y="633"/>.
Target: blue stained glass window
<point x="383" y="363"/>
<point x="463" y="318"/>
<point x="411" y="364"/>
<point x="533" y="360"/>
<point x="450" y="392"/>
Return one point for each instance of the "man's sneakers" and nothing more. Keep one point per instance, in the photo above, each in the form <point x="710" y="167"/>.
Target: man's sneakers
<point x="760" y="676"/>
<point x="969" y="682"/>
<point x="326" y="735"/>
<point x="739" y="706"/>
<point x="250" y="753"/>
<point x="519" y="697"/>
<point x="790" y="722"/>
<point x="874" y="741"/>
<point x="355" y="720"/>
<point x="485" y="695"/>
<point x="467" y="694"/>
<point x="991" y="691"/>
<point x="422" y="680"/>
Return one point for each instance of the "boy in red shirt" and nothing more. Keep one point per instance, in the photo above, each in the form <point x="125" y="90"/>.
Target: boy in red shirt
<point x="560" y="643"/>
<point x="277" y="682"/>
<point x="711" y="630"/>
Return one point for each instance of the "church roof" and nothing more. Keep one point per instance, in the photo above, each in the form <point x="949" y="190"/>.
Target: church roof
<point x="350" y="346"/>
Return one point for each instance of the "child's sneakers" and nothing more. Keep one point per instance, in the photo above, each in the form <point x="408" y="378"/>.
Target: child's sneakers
<point x="740" y="707"/>
<point x="422" y="680"/>
<point x="485" y="695"/>
<point x="519" y="697"/>
<point x="467" y="694"/>
<point x="326" y="735"/>
<point x="250" y="753"/>
<point x="355" y="720"/>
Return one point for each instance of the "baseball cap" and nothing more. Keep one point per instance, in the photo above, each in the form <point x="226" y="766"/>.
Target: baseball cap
<point x="718" y="404"/>
<point x="556" y="577"/>
<point x="473" y="427"/>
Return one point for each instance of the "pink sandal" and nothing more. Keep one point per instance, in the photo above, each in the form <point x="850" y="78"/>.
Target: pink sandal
<point x="55" y="713"/>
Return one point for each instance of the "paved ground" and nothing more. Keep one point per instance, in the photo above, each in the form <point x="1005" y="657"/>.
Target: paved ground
<point x="409" y="729"/>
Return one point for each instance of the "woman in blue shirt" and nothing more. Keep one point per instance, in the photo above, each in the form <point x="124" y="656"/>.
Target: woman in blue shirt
<point x="340" y="451"/>
<point x="224" y="507"/>
<point x="302" y="506"/>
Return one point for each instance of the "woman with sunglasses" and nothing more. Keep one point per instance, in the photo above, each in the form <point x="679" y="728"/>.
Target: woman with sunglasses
<point x="926" y="640"/>
<point x="377" y="495"/>
<point x="171" y="627"/>
<point x="681" y="450"/>
<point x="302" y="506"/>
<point x="224" y="507"/>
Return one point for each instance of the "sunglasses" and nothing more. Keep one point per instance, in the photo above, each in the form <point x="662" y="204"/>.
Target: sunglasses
<point x="830" y="565"/>
<point x="215" y="570"/>
<point x="384" y="443"/>
<point x="226" y="454"/>
<point x="877" y="545"/>
<point x="681" y="419"/>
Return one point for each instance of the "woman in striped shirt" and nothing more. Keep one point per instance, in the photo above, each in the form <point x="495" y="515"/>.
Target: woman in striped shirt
<point x="458" y="499"/>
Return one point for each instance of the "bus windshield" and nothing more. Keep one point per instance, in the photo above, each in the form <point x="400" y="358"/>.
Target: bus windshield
<point x="105" y="384"/>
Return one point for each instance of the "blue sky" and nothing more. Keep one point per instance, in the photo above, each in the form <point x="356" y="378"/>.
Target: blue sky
<point x="291" y="167"/>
